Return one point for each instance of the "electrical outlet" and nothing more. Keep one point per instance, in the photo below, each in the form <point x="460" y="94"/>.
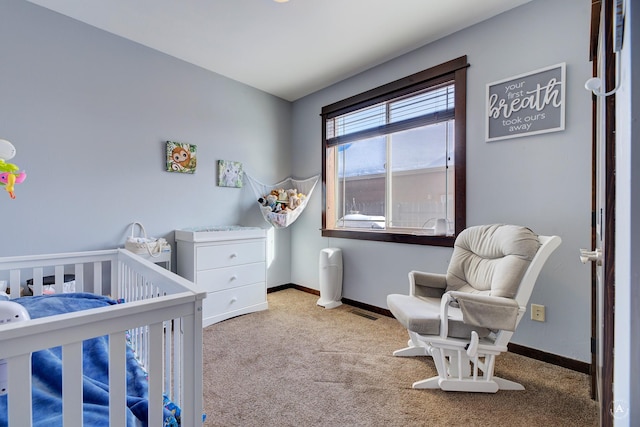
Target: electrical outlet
<point x="537" y="312"/>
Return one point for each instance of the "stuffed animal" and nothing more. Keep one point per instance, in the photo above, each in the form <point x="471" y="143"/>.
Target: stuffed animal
<point x="294" y="200"/>
<point x="272" y="202"/>
<point x="283" y="201"/>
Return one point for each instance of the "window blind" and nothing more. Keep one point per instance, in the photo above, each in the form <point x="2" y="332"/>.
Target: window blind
<point x="429" y="106"/>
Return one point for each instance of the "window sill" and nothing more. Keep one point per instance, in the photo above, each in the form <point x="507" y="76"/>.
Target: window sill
<point x="384" y="236"/>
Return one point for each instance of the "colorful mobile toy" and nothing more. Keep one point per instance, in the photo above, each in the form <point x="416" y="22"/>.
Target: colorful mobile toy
<point x="9" y="175"/>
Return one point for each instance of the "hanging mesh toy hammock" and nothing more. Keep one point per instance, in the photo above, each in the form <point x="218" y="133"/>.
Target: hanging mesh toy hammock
<point x="291" y="196"/>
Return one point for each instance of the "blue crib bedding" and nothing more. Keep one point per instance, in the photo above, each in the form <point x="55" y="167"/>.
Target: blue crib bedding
<point x="47" y="371"/>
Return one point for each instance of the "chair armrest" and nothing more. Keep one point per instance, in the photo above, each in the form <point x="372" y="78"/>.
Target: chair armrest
<point x="487" y="311"/>
<point x="427" y="284"/>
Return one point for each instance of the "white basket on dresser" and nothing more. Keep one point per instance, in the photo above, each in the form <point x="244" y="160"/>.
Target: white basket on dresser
<point x="230" y="264"/>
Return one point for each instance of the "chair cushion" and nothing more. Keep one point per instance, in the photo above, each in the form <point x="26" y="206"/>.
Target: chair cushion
<point x="422" y="315"/>
<point x="491" y="259"/>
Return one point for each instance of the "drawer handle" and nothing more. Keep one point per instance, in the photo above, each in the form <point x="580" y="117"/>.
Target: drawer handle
<point x="233" y="255"/>
<point x="234" y="299"/>
<point x="232" y="278"/>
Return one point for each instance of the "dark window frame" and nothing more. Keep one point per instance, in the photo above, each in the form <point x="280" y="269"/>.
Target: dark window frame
<point x="454" y="70"/>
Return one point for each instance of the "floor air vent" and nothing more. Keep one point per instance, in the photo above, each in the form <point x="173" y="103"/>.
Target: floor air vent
<point x="365" y="315"/>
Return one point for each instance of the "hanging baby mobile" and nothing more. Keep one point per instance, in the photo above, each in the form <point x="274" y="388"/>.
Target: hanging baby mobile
<point x="282" y="203"/>
<point x="9" y="175"/>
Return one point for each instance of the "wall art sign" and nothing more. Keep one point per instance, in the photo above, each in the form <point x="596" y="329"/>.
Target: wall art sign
<point x="526" y="104"/>
<point x="181" y="157"/>
<point x="229" y="174"/>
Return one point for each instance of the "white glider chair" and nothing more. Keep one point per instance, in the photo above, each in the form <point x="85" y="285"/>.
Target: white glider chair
<point x="466" y="317"/>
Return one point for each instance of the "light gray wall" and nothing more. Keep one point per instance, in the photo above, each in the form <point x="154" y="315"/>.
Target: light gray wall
<point x="88" y="113"/>
<point x="542" y="181"/>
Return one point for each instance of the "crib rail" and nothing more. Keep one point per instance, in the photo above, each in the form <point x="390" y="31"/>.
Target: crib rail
<point x="78" y="263"/>
<point x="162" y="315"/>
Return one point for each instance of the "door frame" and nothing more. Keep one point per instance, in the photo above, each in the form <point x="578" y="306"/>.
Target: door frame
<point x="599" y="8"/>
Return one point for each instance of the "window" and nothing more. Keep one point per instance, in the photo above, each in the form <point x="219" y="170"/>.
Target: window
<point x="394" y="163"/>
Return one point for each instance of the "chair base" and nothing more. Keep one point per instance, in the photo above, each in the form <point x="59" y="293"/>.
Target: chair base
<point x="468" y="385"/>
<point x="455" y="367"/>
<point x="411" y="351"/>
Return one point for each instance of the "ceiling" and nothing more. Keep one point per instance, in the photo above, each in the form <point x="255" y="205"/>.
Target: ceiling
<point x="287" y="49"/>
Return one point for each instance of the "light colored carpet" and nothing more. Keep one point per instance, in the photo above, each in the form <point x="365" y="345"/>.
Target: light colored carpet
<point x="298" y="364"/>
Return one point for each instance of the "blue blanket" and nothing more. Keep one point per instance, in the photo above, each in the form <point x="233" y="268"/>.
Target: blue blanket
<point x="47" y="371"/>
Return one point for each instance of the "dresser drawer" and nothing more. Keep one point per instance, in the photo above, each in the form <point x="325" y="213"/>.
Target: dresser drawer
<point x="215" y="256"/>
<point x="217" y="303"/>
<point x="231" y="277"/>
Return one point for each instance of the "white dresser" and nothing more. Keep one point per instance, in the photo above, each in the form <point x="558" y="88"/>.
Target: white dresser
<point x="230" y="264"/>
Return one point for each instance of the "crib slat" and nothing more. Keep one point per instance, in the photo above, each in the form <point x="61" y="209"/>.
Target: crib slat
<point x="168" y="345"/>
<point x="72" y="384"/>
<point x="37" y="277"/>
<point x="115" y="279"/>
<point x="79" y="277"/>
<point x="117" y="379"/>
<point x="155" y="374"/>
<point x="177" y="359"/>
<point x="14" y="283"/>
<point x="59" y="281"/>
<point x="192" y="396"/>
<point x="19" y="390"/>
<point x="97" y="278"/>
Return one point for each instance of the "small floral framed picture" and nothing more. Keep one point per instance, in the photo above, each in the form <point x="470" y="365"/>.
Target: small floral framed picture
<point x="181" y="157"/>
<point x="229" y="174"/>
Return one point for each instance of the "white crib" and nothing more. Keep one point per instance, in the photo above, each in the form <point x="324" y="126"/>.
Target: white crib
<point x="161" y="316"/>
